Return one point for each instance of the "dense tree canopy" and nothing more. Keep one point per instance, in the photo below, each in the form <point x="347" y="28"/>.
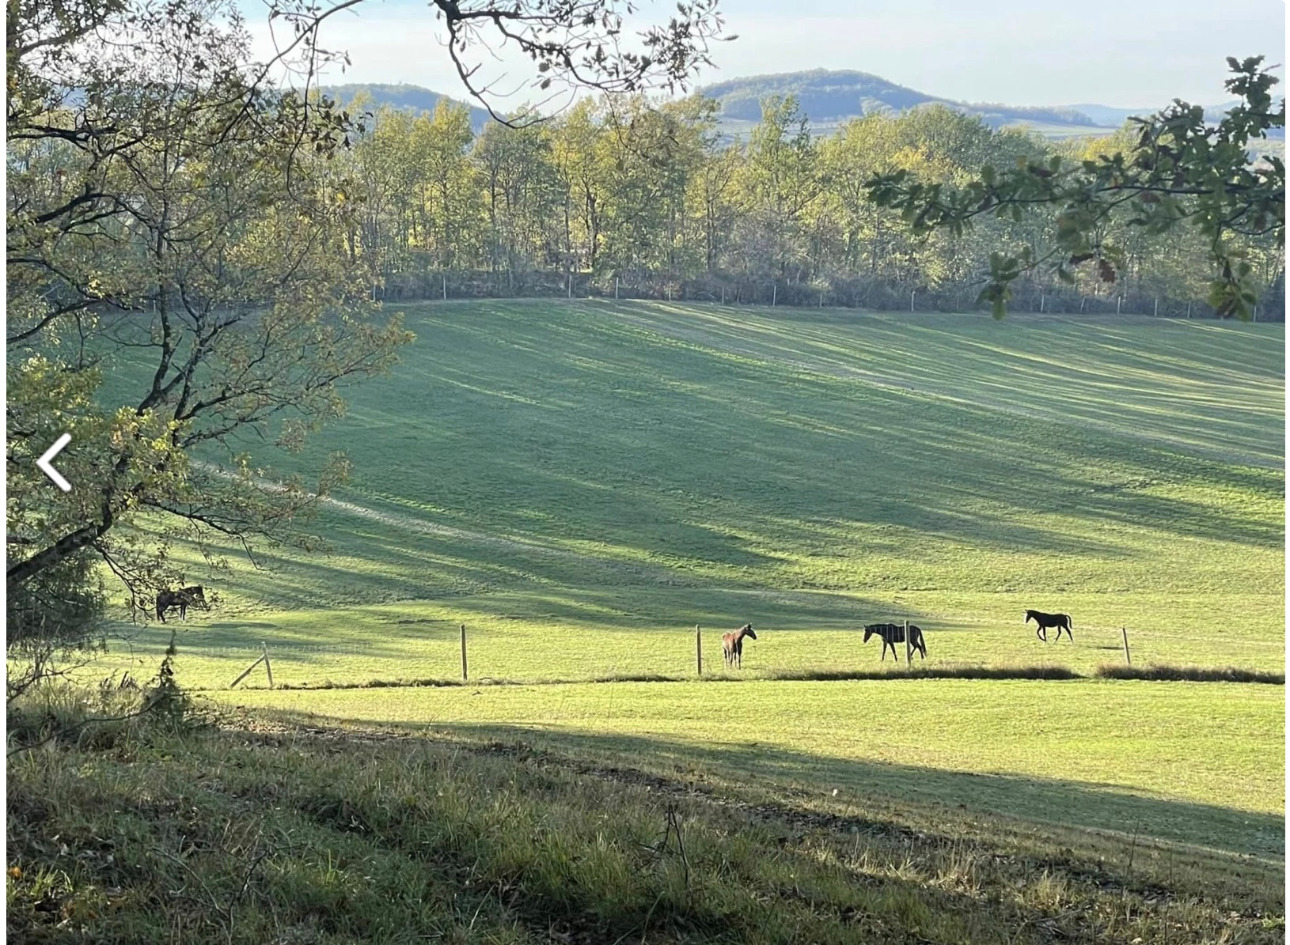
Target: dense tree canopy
<point x="651" y="195"/>
<point x="187" y="267"/>
<point x="1179" y="169"/>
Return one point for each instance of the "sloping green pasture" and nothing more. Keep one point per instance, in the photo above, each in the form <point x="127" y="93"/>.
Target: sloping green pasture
<point x="582" y="484"/>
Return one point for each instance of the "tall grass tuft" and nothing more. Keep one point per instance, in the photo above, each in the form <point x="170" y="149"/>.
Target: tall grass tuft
<point x="1190" y="674"/>
<point x="930" y="672"/>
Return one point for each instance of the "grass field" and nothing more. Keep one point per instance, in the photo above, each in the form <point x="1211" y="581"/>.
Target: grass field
<point x="582" y="484"/>
<point x="136" y="834"/>
<point x="1094" y="754"/>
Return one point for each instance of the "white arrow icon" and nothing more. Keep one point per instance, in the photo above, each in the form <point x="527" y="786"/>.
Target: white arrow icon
<point x="48" y="469"/>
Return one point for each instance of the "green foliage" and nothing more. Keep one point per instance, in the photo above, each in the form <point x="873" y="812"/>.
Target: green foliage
<point x="179" y="216"/>
<point x="164" y="701"/>
<point x="624" y="190"/>
<point x="1178" y="170"/>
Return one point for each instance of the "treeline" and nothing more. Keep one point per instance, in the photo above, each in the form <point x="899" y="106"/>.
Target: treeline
<point x="635" y="199"/>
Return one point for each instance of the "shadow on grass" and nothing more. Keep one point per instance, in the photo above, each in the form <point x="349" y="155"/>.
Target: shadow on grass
<point x="894" y="788"/>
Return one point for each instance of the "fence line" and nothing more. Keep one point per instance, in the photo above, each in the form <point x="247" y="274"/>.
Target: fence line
<point x="833" y="293"/>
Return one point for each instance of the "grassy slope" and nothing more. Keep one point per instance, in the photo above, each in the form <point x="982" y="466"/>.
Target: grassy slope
<point x="322" y="839"/>
<point x="566" y="477"/>
<point x="1181" y="761"/>
<point x="584" y="483"/>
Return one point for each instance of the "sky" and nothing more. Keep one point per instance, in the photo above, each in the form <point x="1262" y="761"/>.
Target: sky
<point x="1121" y="53"/>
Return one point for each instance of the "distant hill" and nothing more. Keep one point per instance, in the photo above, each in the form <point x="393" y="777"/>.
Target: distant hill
<point x="410" y="97"/>
<point x="1114" y="117"/>
<point x="828" y="98"/>
<point x="831" y="97"/>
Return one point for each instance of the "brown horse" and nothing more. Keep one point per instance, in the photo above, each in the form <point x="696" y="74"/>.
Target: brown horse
<point x="732" y="645"/>
<point x="1043" y="621"/>
<point x="183" y="598"/>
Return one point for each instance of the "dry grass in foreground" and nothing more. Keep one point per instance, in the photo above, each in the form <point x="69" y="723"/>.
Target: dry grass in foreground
<point x="149" y="831"/>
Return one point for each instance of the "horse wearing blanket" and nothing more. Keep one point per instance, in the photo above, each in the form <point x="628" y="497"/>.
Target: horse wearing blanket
<point x="183" y="598"/>
<point x="893" y="633"/>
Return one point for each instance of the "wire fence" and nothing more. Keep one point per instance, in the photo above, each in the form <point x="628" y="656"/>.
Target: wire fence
<point x="872" y="295"/>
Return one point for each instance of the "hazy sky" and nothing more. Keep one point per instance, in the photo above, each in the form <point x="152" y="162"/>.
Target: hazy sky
<point x="1127" y="53"/>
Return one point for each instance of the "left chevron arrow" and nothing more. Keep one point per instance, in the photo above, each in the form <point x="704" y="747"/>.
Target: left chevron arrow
<point x="47" y="467"/>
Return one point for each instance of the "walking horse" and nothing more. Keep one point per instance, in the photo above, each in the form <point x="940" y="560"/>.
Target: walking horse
<point x="1044" y="621"/>
<point x="893" y="633"/>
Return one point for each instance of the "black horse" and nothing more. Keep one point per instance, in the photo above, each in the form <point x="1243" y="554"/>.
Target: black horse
<point x="893" y="633"/>
<point x="1044" y="621"/>
<point x="183" y="598"/>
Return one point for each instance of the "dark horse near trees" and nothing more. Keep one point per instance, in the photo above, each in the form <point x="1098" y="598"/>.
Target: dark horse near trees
<point x="183" y="598"/>
<point x="732" y="645"/>
<point x="1044" y="621"/>
<point x="893" y="633"/>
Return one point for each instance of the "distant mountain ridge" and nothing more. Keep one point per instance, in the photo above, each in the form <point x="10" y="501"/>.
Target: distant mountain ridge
<point x="827" y="97"/>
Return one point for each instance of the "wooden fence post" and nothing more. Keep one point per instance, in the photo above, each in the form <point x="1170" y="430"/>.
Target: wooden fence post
<point x="1119" y="299"/>
<point x="909" y="649"/>
<point x="723" y="295"/>
<point x="464" y="676"/>
<point x="246" y="672"/>
<point x="698" y="648"/>
<point x="268" y="668"/>
<point x="774" y="294"/>
<point x="911" y="300"/>
<point x="1125" y="634"/>
<point x="615" y="288"/>
<point x="445" y="287"/>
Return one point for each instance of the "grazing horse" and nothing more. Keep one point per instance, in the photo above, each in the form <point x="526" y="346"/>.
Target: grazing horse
<point x="183" y="598"/>
<point x="1043" y="621"/>
<point x="732" y="645"/>
<point x="893" y="633"/>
